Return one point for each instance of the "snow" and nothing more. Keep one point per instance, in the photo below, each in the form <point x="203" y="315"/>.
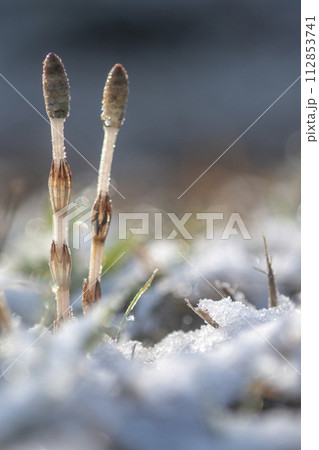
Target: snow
<point x="232" y="387"/>
<point x="199" y="389"/>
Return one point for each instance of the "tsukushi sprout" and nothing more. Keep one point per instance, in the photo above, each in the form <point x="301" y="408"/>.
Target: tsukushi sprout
<point x="56" y="93"/>
<point x="113" y="110"/>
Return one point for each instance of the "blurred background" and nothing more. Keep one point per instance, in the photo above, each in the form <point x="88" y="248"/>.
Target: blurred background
<point x="200" y="71"/>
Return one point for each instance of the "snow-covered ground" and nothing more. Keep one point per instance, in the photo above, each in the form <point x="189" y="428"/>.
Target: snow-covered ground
<point x="173" y="381"/>
<point x="233" y="387"/>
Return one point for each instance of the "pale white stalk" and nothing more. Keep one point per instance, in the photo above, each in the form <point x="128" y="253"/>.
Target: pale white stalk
<point x="57" y="135"/>
<point x="63" y="304"/>
<point x="95" y="263"/>
<point x="60" y="223"/>
<point x="60" y="228"/>
<point x="113" y="109"/>
<point x="110" y="135"/>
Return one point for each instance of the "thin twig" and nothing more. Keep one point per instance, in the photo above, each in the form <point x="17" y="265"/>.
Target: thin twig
<point x="260" y="270"/>
<point x="202" y="314"/>
<point x="272" y="288"/>
<point x="228" y="291"/>
<point x="5" y="316"/>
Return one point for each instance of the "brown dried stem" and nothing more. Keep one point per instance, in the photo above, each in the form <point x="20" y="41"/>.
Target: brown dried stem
<point x="272" y="288"/>
<point x="5" y="316"/>
<point x="202" y="314"/>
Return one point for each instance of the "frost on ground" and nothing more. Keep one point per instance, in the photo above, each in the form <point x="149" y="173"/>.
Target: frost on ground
<point x="235" y="387"/>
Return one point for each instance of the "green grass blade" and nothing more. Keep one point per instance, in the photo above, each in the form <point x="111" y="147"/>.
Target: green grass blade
<point x="133" y="303"/>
